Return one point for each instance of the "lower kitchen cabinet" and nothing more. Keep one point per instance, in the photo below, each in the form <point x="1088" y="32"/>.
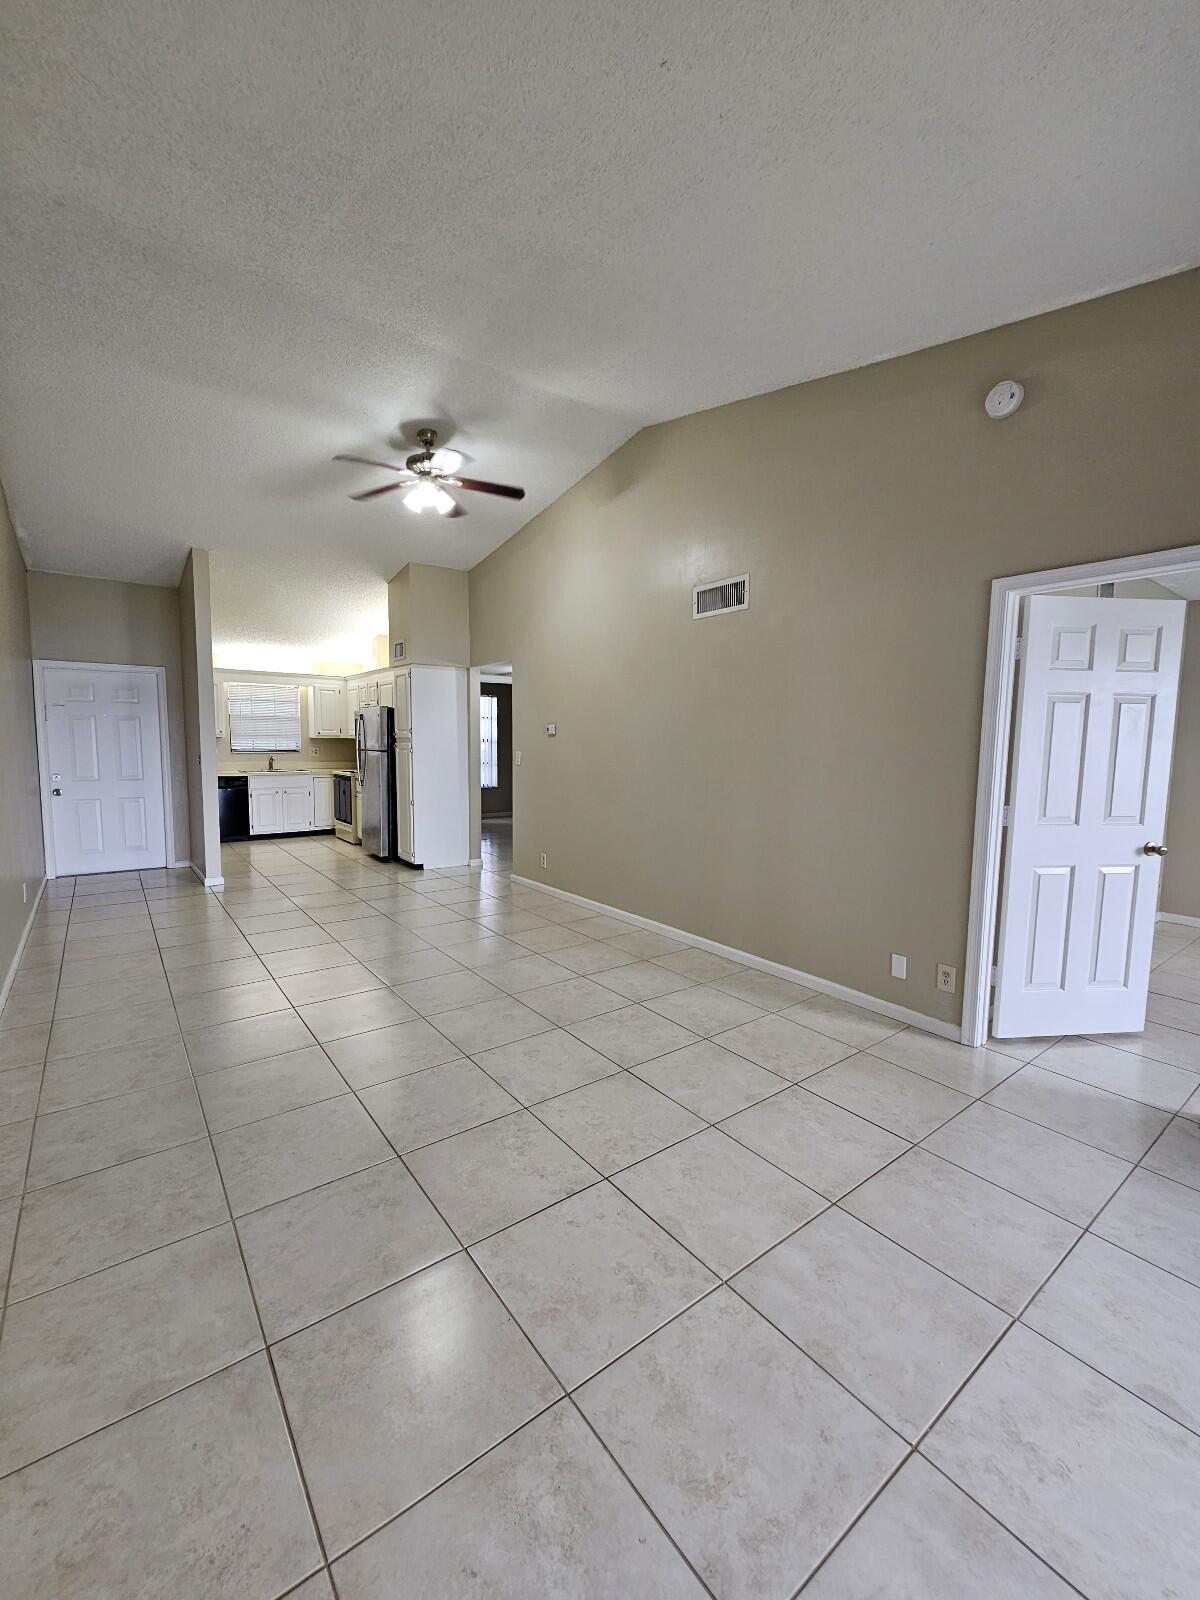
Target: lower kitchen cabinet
<point x="298" y="806"/>
<point x="322" y="800"/>
<point x="266" y="808"/>
<point x="291" y="802"/>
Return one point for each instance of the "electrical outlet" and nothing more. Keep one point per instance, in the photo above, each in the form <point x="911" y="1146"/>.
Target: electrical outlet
<point x="316" y="749"/>
<point x="899" y="966"/>
<point x="544" y="861"/>
<point x="947" y="978"/>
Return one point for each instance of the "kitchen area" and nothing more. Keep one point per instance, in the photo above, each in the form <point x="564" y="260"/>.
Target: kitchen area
<point x="378" y="757"/>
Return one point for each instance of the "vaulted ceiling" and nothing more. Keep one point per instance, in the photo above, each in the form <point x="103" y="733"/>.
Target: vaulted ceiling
<point x="237" y="239"/>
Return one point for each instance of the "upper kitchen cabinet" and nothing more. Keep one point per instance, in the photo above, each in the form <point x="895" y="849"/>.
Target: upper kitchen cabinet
<point x="402" y="701"/>
<point x="327" y="711"/>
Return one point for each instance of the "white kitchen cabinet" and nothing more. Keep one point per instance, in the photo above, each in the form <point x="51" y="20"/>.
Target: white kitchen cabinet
<point x="402" y="701"/>
<point x="370" y="692"/>
<point x="386" y="690"/>
<point x="266" y="808"/>
<point x="431" y="767"/>
<point x="322" y="783"/>
<point x="219" y="706"/>
<point x="327" y="711"/>
<point x="405" y="840"/>
<point x="298" y="806"/>
<point x="283" y="802"/>
<point x="354" y="705"/>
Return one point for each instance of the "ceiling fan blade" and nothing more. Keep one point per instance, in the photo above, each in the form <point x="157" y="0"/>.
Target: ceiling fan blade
<point x="369" y="494"/>
<point x="459" y="511"/>
<point x="482" y="487"/>
<point x="365" y="461"/>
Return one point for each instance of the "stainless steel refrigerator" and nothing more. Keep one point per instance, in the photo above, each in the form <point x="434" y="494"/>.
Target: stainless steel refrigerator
<point x="375" y="749"/>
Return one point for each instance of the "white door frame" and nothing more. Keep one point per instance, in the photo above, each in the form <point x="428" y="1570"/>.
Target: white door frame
<point x="998" y="684"/>
<point x="164" y="739"/>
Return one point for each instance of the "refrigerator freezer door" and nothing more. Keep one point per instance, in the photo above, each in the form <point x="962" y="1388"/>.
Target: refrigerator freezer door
<point x="373" y="730"/>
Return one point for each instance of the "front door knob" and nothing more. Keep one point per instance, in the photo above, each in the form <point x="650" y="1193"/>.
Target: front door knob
<point x="1154" y="849"/>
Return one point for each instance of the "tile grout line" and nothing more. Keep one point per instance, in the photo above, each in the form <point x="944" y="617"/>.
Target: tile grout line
<point x="707" y="1125"/>
<point x="266" y="1348"/>
<point x="24" y="1189"/>
<point x="566" y="1394"/>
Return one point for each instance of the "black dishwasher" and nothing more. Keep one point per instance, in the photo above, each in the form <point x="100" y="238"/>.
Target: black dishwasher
<point x="233" y="798"/>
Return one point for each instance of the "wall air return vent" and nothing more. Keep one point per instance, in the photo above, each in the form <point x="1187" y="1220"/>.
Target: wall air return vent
<point x="731" y="594"/>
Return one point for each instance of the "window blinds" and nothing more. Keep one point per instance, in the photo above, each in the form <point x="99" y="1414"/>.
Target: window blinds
<point x="264" y="716"/>
<point x="489" y="742"/>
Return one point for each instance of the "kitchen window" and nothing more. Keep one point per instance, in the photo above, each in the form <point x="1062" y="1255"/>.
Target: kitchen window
<point x="264" y="716"/>
<point x="489" y="741"/>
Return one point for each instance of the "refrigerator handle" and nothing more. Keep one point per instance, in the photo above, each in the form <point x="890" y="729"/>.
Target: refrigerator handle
<point x="358" y="749"/>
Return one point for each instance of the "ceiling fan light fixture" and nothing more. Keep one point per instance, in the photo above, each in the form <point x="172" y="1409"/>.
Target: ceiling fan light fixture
<point x="447" y="462"/>
<point x="427" y="496"/>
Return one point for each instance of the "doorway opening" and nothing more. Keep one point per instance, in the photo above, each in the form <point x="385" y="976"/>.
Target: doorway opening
<point x="1019" y="715"/>
<point x="496" y="766"/>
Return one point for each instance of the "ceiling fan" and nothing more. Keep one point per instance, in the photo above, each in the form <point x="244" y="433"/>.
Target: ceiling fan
<point x="428" y="475"/>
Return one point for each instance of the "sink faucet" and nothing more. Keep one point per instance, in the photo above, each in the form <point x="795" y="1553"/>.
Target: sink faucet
<point x="270" y="763"/>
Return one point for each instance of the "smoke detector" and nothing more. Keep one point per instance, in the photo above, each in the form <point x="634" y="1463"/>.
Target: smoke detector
<point x="1004" y="398"/>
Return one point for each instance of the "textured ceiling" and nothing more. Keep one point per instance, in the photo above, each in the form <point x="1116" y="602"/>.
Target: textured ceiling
<point x="236" y="239"/>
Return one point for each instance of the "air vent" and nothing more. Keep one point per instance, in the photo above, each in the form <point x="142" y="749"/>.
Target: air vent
<point x="731" y="594"/>
<point x="398" y="650"/>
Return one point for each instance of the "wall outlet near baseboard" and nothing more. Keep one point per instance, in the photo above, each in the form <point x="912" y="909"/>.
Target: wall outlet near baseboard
<point x="899" y="966"/>
<point x="947" y="978"/>
<point x="543" y="859"/>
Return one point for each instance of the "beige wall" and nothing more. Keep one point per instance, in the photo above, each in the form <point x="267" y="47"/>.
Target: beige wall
<point x="22" y="861"/>
<point x="132" y="624"/>
<point x="1181" y="870"/>
<point x="429" y="609"/>
<point x="199" y="709"/>
<point x="798" y="780"/>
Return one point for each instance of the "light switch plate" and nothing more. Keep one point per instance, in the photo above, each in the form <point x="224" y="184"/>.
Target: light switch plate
<point x="899" y="966"/>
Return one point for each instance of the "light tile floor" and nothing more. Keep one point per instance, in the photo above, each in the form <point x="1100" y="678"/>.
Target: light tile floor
<point x="379" y="1233"/>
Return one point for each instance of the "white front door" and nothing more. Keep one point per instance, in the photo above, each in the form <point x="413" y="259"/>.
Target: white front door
<point x="1092" y="745"/>
<point x="104" y="765"/>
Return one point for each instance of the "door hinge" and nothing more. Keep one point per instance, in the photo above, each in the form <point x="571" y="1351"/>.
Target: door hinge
<point x="1020" y="651"/>
<point x="1005" y="816"/>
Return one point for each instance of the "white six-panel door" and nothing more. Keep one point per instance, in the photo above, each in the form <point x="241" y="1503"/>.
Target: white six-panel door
<point x="104" y="769"/>
<point x="1092" y="746"/>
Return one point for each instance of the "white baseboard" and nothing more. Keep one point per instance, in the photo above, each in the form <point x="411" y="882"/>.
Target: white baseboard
<point x="475" y="861"/>
<point x="1171" y="916"/>
<point x="209" y="883"/>
<point x="869" y="1002"/>
<point x="21" y="943"/>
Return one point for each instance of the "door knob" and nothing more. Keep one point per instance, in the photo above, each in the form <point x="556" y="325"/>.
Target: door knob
<point x="56" y="791"/>
<point x="1154" y="849"/>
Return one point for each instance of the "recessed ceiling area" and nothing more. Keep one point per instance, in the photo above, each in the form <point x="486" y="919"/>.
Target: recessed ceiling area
<point x="236" y="244"/>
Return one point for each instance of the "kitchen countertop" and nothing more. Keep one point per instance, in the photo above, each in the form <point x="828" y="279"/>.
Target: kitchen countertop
<point x="227" y="769"/>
